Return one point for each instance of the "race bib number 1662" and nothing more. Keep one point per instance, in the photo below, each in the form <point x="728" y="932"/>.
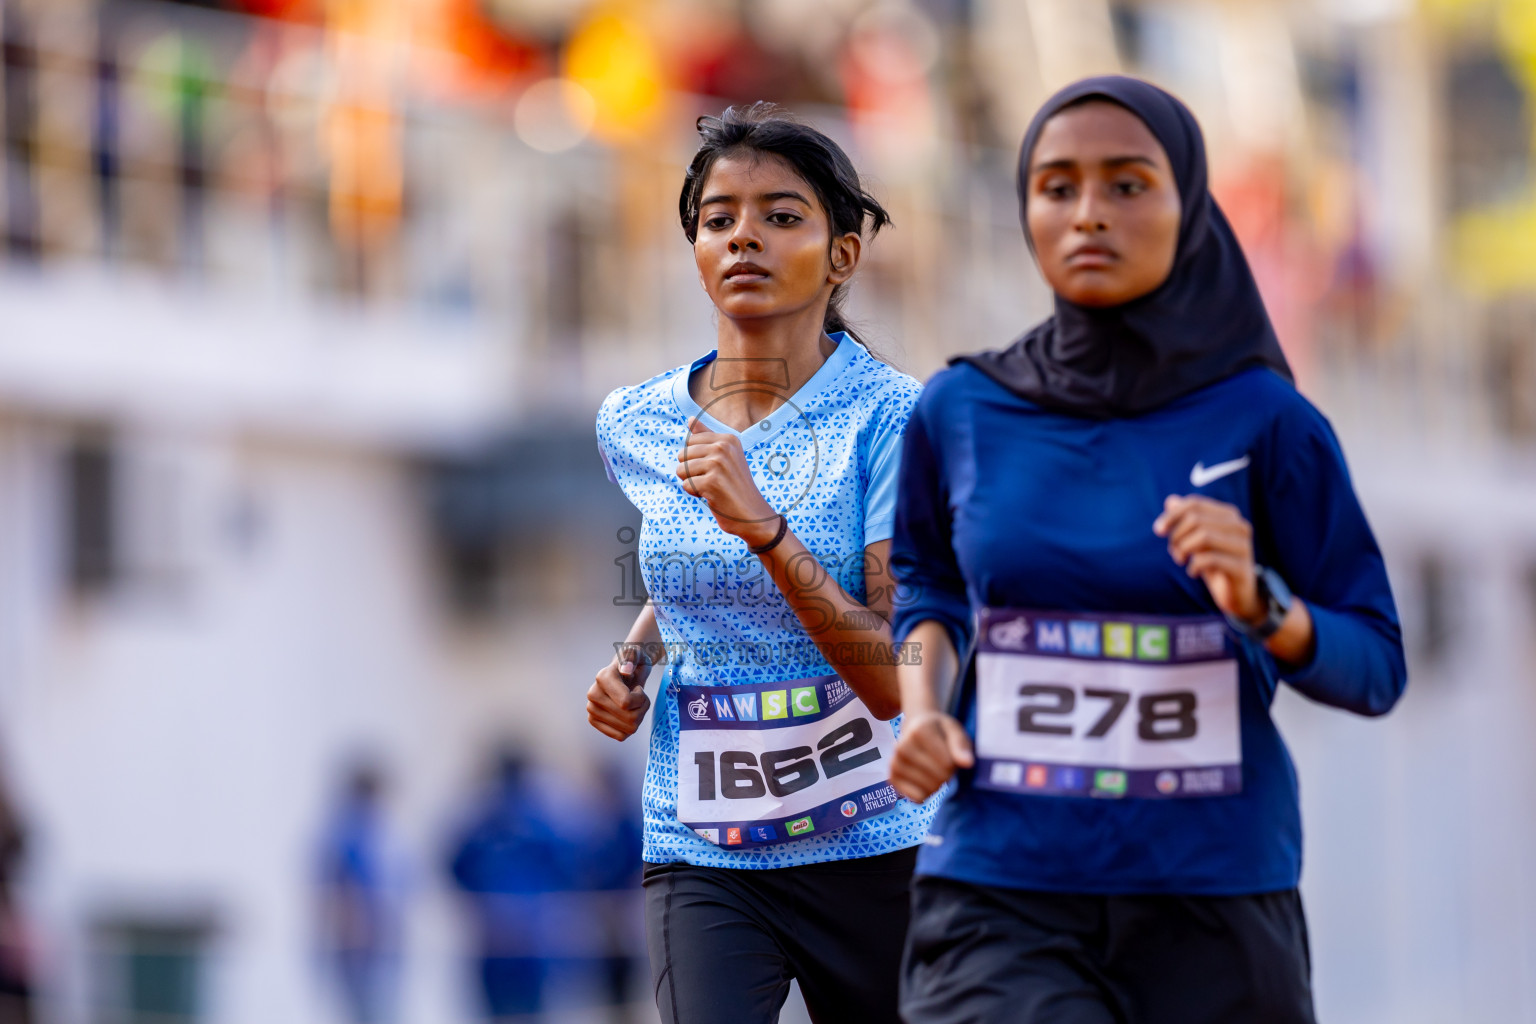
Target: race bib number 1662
<point x="765" y="763"/>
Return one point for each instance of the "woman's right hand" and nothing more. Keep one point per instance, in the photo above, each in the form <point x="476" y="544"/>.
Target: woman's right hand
<point x="932" y="746"/>
<point x="616" y="701"/>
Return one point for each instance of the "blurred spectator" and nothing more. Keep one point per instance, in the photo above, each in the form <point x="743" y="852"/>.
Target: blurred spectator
<point x="360" y="897"/>
<point x="613" y="866"/>
<point x="20" y="106"/>
<point x="106" y="131"/>
<point x="590" y="925"/>
<point x="15" y="946"/>
<point x="507" y="856"/>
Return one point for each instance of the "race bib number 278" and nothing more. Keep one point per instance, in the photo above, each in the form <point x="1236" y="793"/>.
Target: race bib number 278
<point x="1106" y="705"/>
<point x="765" y="763"/>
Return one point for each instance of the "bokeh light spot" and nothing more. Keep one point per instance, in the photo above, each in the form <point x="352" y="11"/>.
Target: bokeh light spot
<point x="554" y="115"/>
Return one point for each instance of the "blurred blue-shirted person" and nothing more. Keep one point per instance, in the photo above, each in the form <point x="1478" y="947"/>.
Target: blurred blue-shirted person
<point x="613" y="865"/>
<point x="361" y="889"/>
<point x="507" y="856"/>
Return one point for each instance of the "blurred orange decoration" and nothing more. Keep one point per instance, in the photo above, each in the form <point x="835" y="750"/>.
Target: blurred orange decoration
<point x="885" y="79"/>
<point x="361" y="133"/>
<point x="491" y="56"/>
<point x="1291" y="272"/>
<point x="611" y="55"/>
<point x="718" y="58"/>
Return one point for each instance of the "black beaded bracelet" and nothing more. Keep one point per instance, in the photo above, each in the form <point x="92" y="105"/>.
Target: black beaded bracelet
<point x="783" y="529"/>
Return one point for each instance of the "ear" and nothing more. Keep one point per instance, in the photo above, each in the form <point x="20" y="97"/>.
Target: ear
<point x="845" y="253"/>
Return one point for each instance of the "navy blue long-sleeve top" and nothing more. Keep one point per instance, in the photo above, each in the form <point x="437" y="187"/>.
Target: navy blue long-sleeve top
<point x="1005" y="504"/>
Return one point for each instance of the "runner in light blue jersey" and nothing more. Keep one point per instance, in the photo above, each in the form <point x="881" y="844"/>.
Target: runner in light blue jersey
<point x="828" y="454"/>
<point x="765" y="472"/>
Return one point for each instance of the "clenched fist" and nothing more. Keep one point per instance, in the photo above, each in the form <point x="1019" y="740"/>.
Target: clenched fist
<point x="714" y="467"/>
<point x="616" y="701"/>
<point x="932" y="746"/>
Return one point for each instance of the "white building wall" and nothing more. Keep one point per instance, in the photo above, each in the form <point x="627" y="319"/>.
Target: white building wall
<point x="176" y="749"/>
<point x="1419" y="831"/>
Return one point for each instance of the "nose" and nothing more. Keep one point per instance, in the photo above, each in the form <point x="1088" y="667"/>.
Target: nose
<point x="1088" y="217"/>
<point x="745" y="237"/>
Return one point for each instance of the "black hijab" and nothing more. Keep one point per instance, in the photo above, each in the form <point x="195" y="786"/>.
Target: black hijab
<point x="1204" y="323"/>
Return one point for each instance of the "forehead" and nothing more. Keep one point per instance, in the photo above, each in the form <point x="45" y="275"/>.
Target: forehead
<point x="748" y="173"/>
<point x="1095" y="131"/>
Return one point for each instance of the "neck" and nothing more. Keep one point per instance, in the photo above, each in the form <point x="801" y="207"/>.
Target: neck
<point x="761" y="363"/>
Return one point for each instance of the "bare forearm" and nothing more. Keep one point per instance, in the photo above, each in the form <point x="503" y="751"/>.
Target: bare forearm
<point x="932" y="745"/>
<point x="616" y="700"/>
<point x="647" y="635"/>
<point x="922" y="678"/>
<point x="855" y="638"/>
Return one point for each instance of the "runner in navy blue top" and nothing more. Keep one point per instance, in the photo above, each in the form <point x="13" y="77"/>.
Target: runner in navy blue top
<point x="1112" y="516"/>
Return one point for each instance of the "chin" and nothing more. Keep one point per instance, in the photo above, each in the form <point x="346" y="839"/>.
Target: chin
<point x="1093" y="298"/>
<point x="749" y="307"/>
<point x="1100" y="294"/>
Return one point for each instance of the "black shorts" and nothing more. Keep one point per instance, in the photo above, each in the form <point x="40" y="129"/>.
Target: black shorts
<point x="724" y="944"/>
<point x="979" y="955"/>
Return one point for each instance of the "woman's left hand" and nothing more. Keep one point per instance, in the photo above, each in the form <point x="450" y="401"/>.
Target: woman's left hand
<point x="714" y="467"/>
<point x="1213" y="541"/>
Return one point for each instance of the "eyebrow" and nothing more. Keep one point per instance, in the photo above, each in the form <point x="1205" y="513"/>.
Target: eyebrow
<point x="1113" y="161"/>
<point x="770" y="197"/>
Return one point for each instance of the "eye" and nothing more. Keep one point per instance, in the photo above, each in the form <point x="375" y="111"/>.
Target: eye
<point x="783" y="218"/>
<point x="718" y="222"/>
<point x="1057" y="190"/>
<point x="1130" y="187"/>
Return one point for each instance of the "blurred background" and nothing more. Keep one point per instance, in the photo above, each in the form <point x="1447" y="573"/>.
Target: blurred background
<point x="307" y="556"/>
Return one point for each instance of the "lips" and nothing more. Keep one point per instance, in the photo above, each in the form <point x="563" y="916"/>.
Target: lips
<point x="1092" y="256"/>
<point x="744" y="272"/>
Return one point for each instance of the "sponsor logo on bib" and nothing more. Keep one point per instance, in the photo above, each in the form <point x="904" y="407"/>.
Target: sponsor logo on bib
<point x="1152" y="643"/>
<point x="1167" y="783"/>
<point x="775" y="705"/>
<point x="802" y="701"/>
<point x="1201" y="639"/>
<point x="1084" y="638"/>
<point x="849" y="808"/>
<point x="1119" y="640"/>
<point x="800" y="826"/>
<point x="1203" y="780"/>
<point x="733" y="837"/>
<point x="1109" y="783"/>
<point x="1051" y="636"/>
<point x="699" y="710"/>
<point x="709" y="835"/>
<point x="764" y="833"/>
<point x="1011" y="635"/>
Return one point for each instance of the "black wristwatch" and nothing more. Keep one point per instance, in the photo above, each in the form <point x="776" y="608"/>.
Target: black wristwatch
<point x="1277" y="602"/>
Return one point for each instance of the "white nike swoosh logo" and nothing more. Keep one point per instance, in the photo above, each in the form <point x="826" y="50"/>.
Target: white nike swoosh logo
<point x="1200" y="475"/>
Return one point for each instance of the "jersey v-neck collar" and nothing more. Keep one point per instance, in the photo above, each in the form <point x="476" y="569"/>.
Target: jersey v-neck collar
<point x="791" y="410"/>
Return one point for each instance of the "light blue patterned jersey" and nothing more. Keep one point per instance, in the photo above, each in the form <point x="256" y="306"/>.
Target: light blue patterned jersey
<point x="827" y="459"/>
